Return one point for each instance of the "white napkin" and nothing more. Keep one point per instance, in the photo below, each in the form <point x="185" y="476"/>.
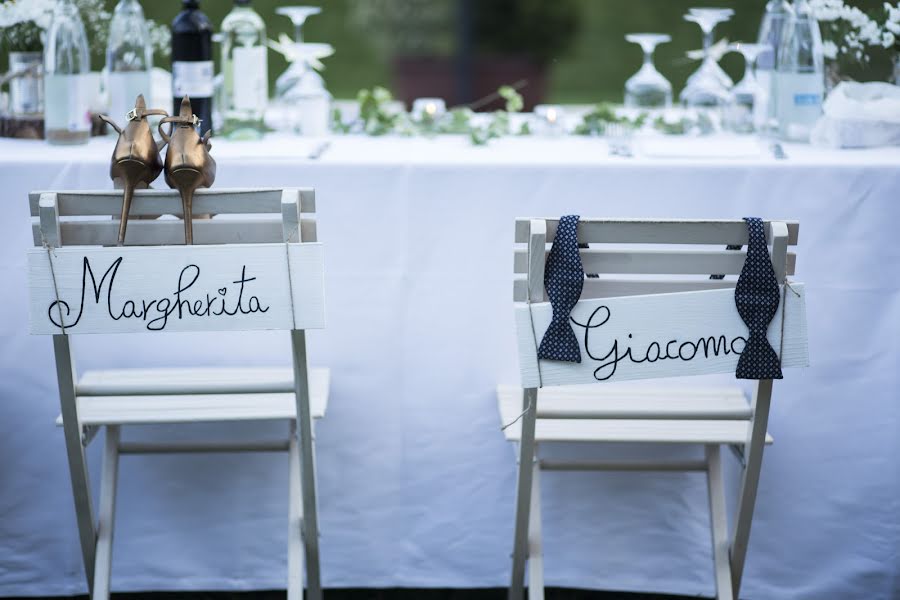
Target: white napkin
<point x="860" y="115"/>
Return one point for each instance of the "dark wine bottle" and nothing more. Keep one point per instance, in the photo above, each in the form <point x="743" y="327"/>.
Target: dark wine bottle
<point x="192" y="62"/>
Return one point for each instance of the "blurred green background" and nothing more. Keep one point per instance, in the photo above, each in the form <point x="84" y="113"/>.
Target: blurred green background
<point x="591" y="66"/>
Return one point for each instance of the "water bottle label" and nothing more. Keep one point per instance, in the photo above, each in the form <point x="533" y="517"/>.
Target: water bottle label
<point x="799" y="102"/>
<point x="250" y="78"/>
<point x="807" y="99"/>
<point x="192" y="78"/>
<point x="67" y="103"/>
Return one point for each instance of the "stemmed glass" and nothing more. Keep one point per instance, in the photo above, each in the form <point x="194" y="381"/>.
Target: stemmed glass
<point x="708" y="86"/>
<point x="298" y="16"/>
<point x="648" y="88"/>
<point x="297" y="69"/>
<point x="741" y="117"/>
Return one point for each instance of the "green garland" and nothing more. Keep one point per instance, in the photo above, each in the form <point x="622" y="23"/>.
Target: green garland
<point x="377" y="117"/>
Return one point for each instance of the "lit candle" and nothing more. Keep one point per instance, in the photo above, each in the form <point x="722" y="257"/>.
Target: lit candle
<point x="550" y="119"/>
<point x="428" y="109"/>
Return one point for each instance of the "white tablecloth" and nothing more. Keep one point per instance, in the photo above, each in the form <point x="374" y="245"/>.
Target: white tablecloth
<point x="416" y="483"/>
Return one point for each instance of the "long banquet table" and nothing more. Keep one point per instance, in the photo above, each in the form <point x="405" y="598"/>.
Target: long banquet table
<point x="416" y="483"/>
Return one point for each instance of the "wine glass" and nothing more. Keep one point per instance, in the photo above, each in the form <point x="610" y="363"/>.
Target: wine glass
<point x="296" y="70"/>
<point x="298" y="16"/>
<point x="742" y="110"/>
<point x="648" y="88"/>
<point x="708" y="86"/>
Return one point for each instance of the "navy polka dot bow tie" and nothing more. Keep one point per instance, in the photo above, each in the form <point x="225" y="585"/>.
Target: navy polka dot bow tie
<point x="756" y="296"/>
<point x="563" y="278"/>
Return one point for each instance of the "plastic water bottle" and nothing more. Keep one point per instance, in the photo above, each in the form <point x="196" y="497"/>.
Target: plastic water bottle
<point x="129" y="58"/>
<point x="800" y="77"/>
<point x="67" y="86"/>
<point x="777" y="14"/>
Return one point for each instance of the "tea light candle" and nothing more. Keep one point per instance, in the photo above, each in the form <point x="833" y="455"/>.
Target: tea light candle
<point x="428" y="109"/>
<point x="551" y="119"/>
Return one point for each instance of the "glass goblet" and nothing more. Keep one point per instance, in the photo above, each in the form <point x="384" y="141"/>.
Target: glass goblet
<point x="748" y="92"/>
<point x="298" y="16"/>
<point x="708" y="86"/>
<point x="648" y="88"/>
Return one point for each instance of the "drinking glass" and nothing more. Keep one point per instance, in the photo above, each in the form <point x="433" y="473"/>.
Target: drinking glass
<point x="747" y="93"/>
<point x="297" y="69"/>
<point x="648" y="88"/>
<point x="708" y="86"/>
<point x="298" y="16"/>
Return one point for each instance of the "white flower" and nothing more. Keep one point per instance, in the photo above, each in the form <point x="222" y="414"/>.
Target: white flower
<point x="830" y="50"/>
<point x="888" y="39"/>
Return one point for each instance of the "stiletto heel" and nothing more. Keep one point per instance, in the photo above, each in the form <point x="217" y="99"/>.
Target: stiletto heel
<point x="135" y="160"/>
<point x="188" y="163"/>
<point x="186" y="182"/>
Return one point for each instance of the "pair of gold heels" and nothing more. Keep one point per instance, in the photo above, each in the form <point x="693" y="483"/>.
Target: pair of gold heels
<point x="136" y="160"/>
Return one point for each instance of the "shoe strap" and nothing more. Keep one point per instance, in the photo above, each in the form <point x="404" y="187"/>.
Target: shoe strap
<point x="136" y="114"/>
<point x="192" y="120"/>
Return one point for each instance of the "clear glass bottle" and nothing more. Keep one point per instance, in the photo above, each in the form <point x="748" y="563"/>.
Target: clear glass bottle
<point x="67" y="93"/>
<point x="777" y="14"/>
<point x="129" y="58"/>
<point x="245" y="67"/>
<point x="800" y="76"/>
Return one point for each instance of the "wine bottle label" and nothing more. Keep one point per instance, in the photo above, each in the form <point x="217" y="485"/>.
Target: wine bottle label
<point x="67" y="102"/>
<point x="250" y="78"/>
<point x="192" y="78"/>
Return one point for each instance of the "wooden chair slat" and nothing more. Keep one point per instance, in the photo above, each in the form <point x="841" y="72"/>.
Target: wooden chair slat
<point x="196" y="408"/>
<point x="647" y="231"/>
<point x="199" y="380"/>
<point x="612" y="288"/>
<point x="164" y="201"/>
<point x="658" y="262"/>
<point x="170" y="232"/>
<point x="621" y="402"/>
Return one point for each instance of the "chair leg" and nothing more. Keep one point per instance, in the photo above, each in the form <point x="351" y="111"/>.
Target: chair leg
<point x="535" y="541"/>
<point x="719" y="522"/>
<point x="523" y="493"/>
<point x="295" y="520"/>
<point x="81" y="488"/>
<point x="753" y="452"/>
<point x="307" y="467"/>
<point x="105" y="528"/>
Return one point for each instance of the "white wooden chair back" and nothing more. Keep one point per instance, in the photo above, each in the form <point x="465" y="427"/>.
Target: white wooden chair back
<point x="256" y="265"/>
<point x="654" y="260"/>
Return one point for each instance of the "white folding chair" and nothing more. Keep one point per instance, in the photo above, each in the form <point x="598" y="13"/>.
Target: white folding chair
<point x="644" y="260"/>
<point x="272" y="232"/>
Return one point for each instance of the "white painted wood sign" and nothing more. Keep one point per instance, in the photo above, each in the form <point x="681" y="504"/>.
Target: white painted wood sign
<point x="661" y="335"/>
<point x="176" y="288"/>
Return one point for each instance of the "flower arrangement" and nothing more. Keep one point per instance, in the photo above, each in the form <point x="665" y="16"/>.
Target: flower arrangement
<point x="848" y="33"/>
<point x="24" y="23"/>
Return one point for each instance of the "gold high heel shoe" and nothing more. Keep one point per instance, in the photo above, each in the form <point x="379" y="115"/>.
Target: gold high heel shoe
<point x="188" y="163"/>
<point x="135" y="159"/>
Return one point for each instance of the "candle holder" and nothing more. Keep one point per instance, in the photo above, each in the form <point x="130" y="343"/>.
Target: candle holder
<point x="428" y="111"/>
<point x="550" y="120"/>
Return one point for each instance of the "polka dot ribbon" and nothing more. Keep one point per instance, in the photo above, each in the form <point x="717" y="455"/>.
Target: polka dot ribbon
<point x="756" y="296"/>
<point x="563" y="279"/>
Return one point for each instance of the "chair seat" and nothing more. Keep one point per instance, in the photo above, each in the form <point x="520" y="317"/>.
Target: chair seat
<point x="139" y="396"/>
<point x="635" y="414"/>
